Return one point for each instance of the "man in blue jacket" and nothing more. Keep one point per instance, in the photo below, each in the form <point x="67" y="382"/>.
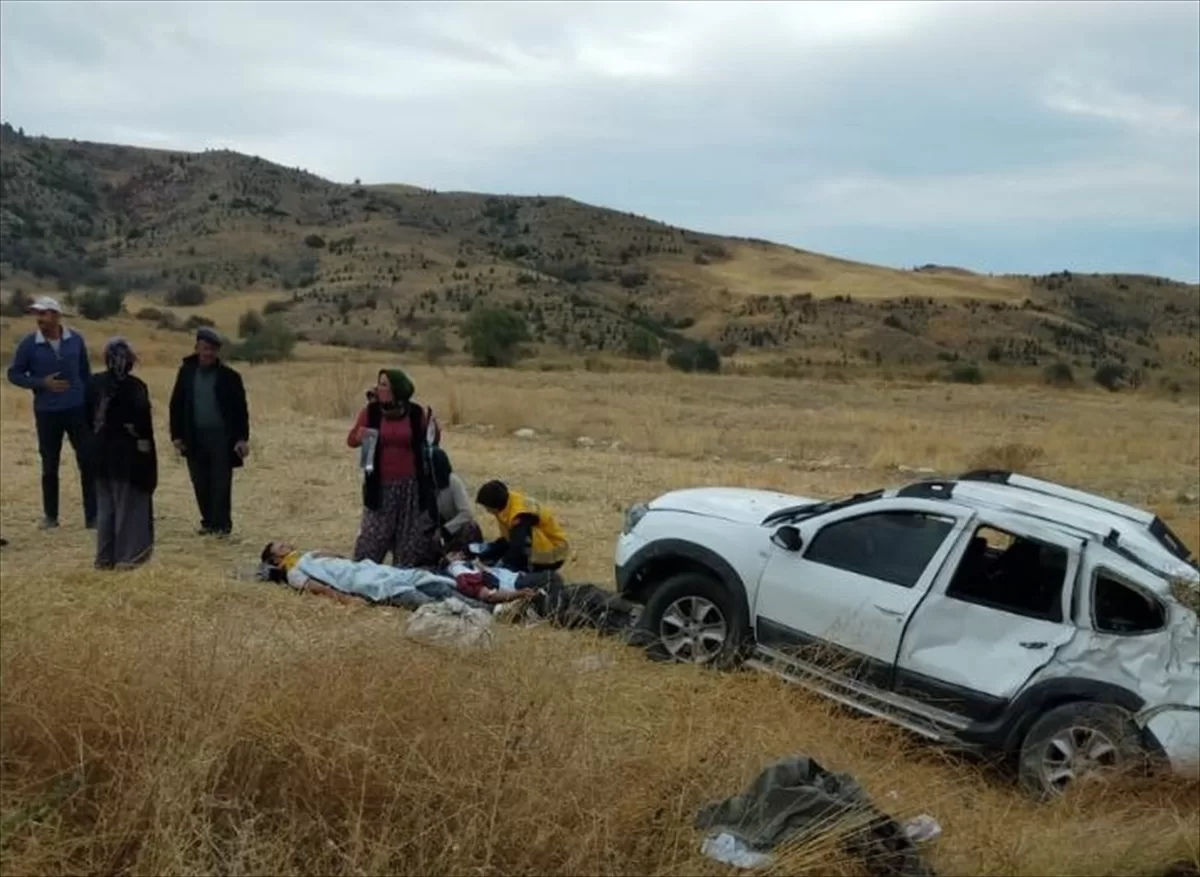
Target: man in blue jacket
<point x="53" y="363"/>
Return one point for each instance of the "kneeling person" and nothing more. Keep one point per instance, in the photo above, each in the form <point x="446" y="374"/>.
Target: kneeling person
<point x="352" y="581"/>
<point x="531" y="540"/>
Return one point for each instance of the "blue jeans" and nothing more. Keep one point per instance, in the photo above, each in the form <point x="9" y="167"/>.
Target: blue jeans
<point x="52" y="426"/>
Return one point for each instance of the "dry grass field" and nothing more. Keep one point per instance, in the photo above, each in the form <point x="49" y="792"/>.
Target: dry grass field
<point x="177" y="720"/>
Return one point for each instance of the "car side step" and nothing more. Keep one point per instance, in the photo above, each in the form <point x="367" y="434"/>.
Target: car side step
<point x="918" y="718"/>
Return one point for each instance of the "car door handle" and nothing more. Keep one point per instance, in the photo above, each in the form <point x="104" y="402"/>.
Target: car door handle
<point x="887" y="611"/>
<point x="1029" y="645"/>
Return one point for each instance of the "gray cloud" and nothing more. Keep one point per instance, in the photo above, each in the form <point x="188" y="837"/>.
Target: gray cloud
<point x="868" y="127"/>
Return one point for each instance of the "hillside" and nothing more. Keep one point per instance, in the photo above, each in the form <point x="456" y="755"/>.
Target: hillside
<point x="380" y="266"/>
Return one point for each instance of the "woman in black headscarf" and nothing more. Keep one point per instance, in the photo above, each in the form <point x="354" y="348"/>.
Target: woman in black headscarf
<point x="125" y="460"/>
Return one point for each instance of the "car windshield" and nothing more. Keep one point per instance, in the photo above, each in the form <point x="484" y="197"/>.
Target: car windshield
<point x="801" y="512"/>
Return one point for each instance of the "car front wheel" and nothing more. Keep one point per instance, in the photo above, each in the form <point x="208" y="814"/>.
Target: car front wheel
<point x="1078" y="742"/>
<point x="692" y="619"/>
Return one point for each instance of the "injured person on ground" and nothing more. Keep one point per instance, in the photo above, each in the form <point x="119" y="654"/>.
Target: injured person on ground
<point x="364" y="581"/>
<point x="352" y="581"/>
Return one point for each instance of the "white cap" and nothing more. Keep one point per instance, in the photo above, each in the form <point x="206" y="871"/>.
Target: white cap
<point x="45" y="303"/>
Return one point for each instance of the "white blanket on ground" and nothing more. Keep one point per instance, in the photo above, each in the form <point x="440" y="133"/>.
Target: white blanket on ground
<point x="362" y="578"/>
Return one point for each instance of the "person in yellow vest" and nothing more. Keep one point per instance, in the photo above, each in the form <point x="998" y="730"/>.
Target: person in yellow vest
<point x="531" y="540"/>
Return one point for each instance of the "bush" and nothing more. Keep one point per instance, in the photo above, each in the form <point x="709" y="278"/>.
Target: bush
<point x="150" y="315"/>
<point x="187" y="295"/>
<point x="634" y="278"/>
<point x="277" y="306"/>
<point x="435" y="345"/>
<point x="695" y="356"/>
<point x="1110" y="375"/>
<point x="315" y="241"/>
<point x="1059" y="374"/>
<point x="17" y="305"/>
<point x="494" y="336"/>
<point x="275" y="342"/>
<point x="195" y="321"/>
<point x="966" y="373"/>
<point x="642" y="344"/>
<point x="96" y="305"/>
<point x="250" y="323"/>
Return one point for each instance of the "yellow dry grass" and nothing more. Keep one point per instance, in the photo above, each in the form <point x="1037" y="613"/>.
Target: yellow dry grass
<point x="770" y="269"/>
<point x="176" y="720"/>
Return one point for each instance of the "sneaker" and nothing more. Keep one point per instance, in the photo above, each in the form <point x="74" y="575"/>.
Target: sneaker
<point x="48" y="524"/>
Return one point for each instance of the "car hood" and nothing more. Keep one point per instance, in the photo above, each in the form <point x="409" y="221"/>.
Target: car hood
<point x="736" y="504"/>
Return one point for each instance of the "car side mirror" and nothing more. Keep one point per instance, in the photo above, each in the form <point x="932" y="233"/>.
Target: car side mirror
<point x="788" y="538"/>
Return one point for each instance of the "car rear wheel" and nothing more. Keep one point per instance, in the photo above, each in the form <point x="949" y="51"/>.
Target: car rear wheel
<point x="692" y="619"/>
<point x="1078" y="742"/>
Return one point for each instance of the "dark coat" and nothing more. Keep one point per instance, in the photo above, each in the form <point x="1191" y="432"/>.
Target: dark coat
<point x="113" y="451"/>
<point x="231" y="399"/>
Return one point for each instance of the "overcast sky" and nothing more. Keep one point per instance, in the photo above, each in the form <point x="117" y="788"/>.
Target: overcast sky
<point x="1004" y="136"/>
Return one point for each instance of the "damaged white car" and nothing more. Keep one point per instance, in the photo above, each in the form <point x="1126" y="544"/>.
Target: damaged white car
<point x="995" y="611"/>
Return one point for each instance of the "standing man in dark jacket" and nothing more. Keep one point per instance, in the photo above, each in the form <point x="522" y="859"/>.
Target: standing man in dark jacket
<point x="210" y="426"/>
<point x="53" y="363"/>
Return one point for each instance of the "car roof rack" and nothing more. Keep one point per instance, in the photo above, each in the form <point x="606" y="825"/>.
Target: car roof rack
<point x="1060" y="491"/>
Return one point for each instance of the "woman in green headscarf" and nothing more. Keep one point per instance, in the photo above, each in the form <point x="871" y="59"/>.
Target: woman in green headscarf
<point x="399" y="494"/>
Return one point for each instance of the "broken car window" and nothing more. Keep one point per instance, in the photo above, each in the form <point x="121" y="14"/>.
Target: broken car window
<point x="1119" y="608"/>
<point x="893" y="547"/>
<point x="1012" y="574"/>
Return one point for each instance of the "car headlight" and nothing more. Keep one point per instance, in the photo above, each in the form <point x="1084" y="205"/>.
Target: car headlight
<point x="633" y="515"/>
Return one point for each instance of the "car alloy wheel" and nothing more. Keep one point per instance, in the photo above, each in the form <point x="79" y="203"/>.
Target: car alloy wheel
<point x="693" y="629"/>
<point x="1074" y="753"/>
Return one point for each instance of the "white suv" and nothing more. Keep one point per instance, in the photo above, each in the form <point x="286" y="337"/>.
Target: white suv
<point x="995" y="611"/>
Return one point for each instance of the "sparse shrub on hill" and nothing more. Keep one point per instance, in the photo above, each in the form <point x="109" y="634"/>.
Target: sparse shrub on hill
<point x="98" y="304"/>
<point x="315" y="241"/>
<point x="435" y="345"/>
<point x="642" y="344"/>
<point x="965" y="373"/>
<point x="494" y="336"/>
<point x="17" y="305"/>
<point x="187" y="295"/>
<point x="250" y="323"/>
<point x="195" y="321"/>
<point x="1059" y="374"/>
<point x="695" y="356"/>
<point x="277" y="306"/>
<point x="1111" y="375"/>
<point x="274" y="342"/>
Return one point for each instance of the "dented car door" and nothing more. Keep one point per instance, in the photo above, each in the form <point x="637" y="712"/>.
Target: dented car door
<point x="995" y="616"/>
<point x="843" y="596"/>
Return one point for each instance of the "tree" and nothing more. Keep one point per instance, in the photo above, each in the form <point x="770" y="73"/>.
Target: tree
<point x="1059" y="374"/>
<point x="274" y="342"/>
<point x="1110" y="375"/>
<point x="96" y="305"/>
<point x="494" y="336"/>
<point x="187" y="295"/>
<point x="435" y="345"/>
<point x="250" y="323"/>
<point x="642" y="344"/>
<point x="695" y="356"/>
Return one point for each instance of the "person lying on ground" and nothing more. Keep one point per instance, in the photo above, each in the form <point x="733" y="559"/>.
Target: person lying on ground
<point x="352" y="581"/>
<point x="455" y="517"/>
<point x="493" y="586"/>
<point x="531" y="539"/>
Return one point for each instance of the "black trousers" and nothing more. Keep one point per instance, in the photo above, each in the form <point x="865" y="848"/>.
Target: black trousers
<point x="211" y="469"/>
<point x="52" y="426"/>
